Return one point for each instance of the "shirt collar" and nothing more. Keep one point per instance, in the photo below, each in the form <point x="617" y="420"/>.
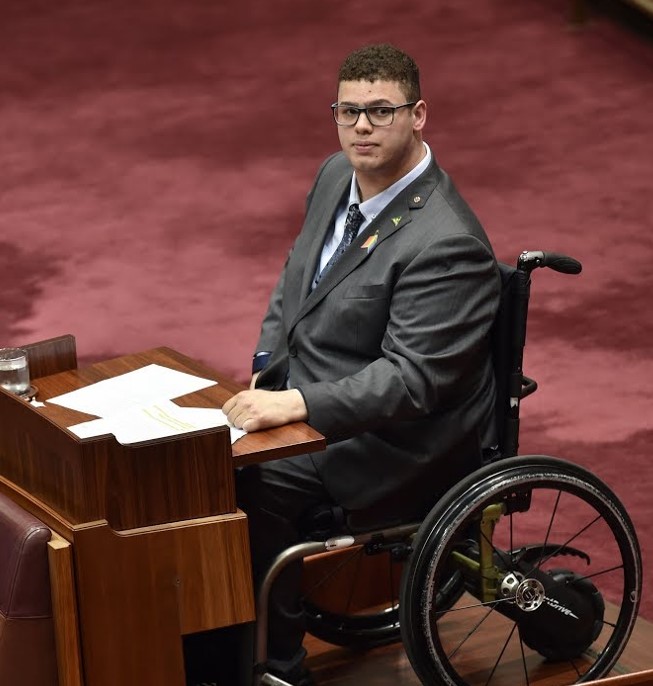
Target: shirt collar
<point x="375" y="205"/>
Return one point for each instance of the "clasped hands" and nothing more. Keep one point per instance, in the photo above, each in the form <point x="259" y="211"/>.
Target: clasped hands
<point x="257" y="409"/>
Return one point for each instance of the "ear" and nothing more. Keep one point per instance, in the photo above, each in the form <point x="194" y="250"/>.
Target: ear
<point x="419" y="115"/>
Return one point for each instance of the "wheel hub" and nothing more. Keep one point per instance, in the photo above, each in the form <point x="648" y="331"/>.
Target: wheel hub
<point x="570" y="611"/>
<point x="530" y="595"/>
<point x="527" y="594"/>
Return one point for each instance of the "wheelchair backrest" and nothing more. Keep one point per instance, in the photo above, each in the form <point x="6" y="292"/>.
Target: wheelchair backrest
<point x="508" y="336"/>
<point x="509" y="339"/>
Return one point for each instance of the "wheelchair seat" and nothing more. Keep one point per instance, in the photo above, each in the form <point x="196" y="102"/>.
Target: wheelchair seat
<point x="531" y="560"/>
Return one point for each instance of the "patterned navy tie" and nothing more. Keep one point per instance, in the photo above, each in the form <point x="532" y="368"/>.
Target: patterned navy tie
<point x="353" y="222"/>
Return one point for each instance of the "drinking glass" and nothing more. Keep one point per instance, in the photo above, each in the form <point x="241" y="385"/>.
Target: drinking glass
<point x="14" y="370"/>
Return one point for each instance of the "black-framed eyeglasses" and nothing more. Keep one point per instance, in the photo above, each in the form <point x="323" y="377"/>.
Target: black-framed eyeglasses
<point x="377" y="115"/>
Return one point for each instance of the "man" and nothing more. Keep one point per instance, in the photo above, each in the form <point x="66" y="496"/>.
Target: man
<point x="381" y="345"/>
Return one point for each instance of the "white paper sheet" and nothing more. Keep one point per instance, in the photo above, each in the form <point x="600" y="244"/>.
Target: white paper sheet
<point x="159" y="420"/>
<point x="141" y="387"/>
<point x="137" y="406"/>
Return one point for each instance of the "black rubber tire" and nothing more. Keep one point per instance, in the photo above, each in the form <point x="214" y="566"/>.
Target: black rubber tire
<point x="374" y="627"/>
<point x="359" y="630"/>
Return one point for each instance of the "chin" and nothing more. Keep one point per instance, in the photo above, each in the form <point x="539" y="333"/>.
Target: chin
<point x="363" y="163"/>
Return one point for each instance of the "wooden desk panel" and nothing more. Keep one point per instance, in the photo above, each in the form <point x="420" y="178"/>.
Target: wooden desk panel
<point x="159" y="549"/>
<point x="272" y="444"/>
<point x="140" y="591"/>
<point x="170" y="479"/>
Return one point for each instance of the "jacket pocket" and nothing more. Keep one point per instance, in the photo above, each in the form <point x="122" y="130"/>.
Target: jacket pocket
<point x="366" y="291"/>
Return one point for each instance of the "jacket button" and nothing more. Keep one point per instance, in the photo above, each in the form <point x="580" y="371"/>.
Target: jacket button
<point x="292" y="351"/>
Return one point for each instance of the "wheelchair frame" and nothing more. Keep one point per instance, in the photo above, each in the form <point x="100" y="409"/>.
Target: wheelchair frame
<point x="498" y="581"/>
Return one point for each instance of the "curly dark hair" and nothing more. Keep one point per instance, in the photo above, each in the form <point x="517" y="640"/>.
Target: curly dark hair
<point x="382" y="62"/>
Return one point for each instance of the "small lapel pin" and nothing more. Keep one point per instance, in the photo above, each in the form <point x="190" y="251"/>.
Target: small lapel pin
<point x="370" y="243"/>
<point x="396" y="220"/>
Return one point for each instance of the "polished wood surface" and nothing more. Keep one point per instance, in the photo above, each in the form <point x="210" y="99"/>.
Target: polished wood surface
<point x="64" y="612"/>
<point x="99" y="479"/>
<point x="150" y="546"/>
<point x="292" y="439"/>
<point x="164" y="480"/>
<point x="389" y="665"/>
<point x="52" y="356"/>
<point x="183" y="578"/>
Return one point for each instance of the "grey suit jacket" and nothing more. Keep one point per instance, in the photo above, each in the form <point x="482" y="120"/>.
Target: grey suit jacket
<point x="391" y="349"/>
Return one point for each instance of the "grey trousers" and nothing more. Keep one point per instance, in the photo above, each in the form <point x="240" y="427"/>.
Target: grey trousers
<point x="277" y="497"/>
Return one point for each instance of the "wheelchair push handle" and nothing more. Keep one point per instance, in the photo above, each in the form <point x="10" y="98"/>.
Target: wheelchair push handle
<point x="531" y="259"/>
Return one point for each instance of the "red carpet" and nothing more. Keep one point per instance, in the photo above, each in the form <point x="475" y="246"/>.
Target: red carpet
<point x="155" y="158"/>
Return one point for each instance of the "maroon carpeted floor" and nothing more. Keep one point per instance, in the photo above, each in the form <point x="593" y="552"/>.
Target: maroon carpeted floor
<point x="155" y="157"/>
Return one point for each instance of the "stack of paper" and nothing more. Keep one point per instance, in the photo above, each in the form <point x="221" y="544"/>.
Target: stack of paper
<point x="137" y="406"/>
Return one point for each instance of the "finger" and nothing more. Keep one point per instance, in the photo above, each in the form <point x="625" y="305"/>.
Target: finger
<point x="233" y="403"/>
<point x="251" y="424"/>
<point x="237" y="418"/>
<point x="229" y="405"/>
<point x="233" y="410"/>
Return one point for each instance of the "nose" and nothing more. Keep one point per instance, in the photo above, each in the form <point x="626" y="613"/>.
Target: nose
<point x="363" y="123"/>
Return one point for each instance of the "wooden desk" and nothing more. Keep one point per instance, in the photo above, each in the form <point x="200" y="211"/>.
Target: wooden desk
<point x="389" y="665"/>
<point x="150" y="544"/>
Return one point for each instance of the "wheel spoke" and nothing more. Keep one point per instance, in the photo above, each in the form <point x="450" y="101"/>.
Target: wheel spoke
<point x="523" y="659"/>
<point x="470" y="633"/>
<point x="335" y="611"/>
<point x="593" y="575"/>
<point x="538" y="587"/>
<point x="548" y="531"/>
<point x="491" y="604"/>
<point x="393" y="594"/>
<point x="503" y="650"/>
<point x="352" y="586"/>
<point x="573" y="664"/>
<point x="567" y="542"/>
<point x="327" y="577"/>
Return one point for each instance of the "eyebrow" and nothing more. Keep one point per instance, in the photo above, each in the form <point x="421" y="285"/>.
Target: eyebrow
<point x="380" y="101"/>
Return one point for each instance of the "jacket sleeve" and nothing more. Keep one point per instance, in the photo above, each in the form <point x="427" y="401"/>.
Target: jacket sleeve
<point x="272" y="326"/>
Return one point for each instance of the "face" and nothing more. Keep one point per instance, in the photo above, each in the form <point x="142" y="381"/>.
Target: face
<point x="381" y="154"/>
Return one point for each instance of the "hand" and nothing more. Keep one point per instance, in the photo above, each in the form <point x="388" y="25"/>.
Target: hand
<point x="257" y="409"/>
<point x="252" y="383"/>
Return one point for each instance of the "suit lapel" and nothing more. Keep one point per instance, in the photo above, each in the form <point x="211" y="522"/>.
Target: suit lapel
<point x="324" y="216"/>
<point x="393" y="218"/>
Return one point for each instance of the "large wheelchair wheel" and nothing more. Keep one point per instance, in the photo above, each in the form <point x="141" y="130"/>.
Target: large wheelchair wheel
<point x="552" y="574"/>
<point x="352" y="598"/>
<point x="337" y="605"/>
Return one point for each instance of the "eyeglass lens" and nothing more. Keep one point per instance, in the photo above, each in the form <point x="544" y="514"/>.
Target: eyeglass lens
<point x="380" y="115"/>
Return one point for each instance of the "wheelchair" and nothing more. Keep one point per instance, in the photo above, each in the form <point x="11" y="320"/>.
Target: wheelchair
<point x="528" y="569"/>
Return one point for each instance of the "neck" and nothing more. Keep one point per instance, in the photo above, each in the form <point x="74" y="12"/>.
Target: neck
<point x="371" y="183"/>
